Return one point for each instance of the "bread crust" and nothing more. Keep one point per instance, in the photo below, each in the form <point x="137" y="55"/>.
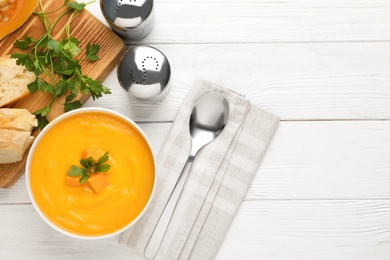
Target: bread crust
<point x="13" y="81"/>
<point x="15" y="133"/>
<point x="13" y="144"/>
<point x="17" y="119"/>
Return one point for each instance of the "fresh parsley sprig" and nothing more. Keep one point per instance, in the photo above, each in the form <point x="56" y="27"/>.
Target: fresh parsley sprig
<point x="55" y="65"/>
<point x="89" y="167"/>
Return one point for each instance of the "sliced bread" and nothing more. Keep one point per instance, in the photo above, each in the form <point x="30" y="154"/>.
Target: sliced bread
<point x="13" y="144"/>
<point x="17" y="119"/>
<point x="15" y="133"/>
<point x="13" y="81"/>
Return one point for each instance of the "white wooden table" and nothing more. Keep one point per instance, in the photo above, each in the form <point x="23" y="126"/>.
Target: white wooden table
<point x="322" y="66"/>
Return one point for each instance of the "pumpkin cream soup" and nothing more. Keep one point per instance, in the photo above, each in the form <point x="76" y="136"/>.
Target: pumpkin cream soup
<point x="106" y="201"/>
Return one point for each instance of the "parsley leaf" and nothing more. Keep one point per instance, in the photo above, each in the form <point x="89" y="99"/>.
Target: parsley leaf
<point x="24" y="59"/>
<point x="76" y="6"/>
<point x="102" y="159"/>
<point x="42" y="120"/>
<point x="83" y="178"/>
<point x="43" y="111"/>
<point x="89" y="167"/>
<point x="55" y="46"/>
<point x="102" y="168"/>
<point x="72" y="46"/>
<point x="72" y="105"/>
<point x="23" y="44"/>
<point x="92" y="51"/>
<point x="55" y="63"/>
<point x="75" y="171"/>
<point x="88" y="163"/>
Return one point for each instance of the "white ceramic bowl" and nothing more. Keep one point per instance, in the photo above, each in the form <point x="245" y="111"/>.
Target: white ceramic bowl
<point x="48" y="129"/>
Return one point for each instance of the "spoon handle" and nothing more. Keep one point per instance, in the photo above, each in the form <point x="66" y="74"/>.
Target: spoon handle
<point x="162" y="225"/>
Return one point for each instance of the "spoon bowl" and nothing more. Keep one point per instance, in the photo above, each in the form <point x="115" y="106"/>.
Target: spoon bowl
<point x="208" y="118"/>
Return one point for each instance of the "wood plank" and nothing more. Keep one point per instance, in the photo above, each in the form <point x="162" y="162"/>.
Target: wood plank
<point x="338" y="81"/>
<point x="84" y="27"/>
<point x="309" y="230"/>
<point x="220" y="21"/>
<point x="306" y="160"/>
<point x="22" y="227"/>
<point x="322" y="191"/>
<point x="326" y="160"/>
<point x="270" y="229"/>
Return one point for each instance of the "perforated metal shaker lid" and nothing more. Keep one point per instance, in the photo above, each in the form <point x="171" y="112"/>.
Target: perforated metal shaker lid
<point x="144" y="73"/>
<point x="130" y="19"/>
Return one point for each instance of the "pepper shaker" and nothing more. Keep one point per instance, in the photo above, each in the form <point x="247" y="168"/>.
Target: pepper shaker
<point x="144" y="73"/>
<point x="130" y="19"/>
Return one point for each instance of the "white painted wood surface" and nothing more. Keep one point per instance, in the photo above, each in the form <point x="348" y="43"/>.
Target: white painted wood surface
<point x="323" y="66"/>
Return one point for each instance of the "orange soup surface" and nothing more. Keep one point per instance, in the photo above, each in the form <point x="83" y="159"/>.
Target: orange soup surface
<point x="79" y="210"/>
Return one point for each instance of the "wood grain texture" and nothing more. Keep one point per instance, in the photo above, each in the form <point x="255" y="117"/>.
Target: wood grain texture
<point x="46" y="243"/>
<point x="84" y="27"/>
<point x="311" y="81"/>
<point x="274" y="21"/>
<point x="287" y="230"/>
<point x="313" y="229"/>
<point x="305" y="161"/>
<point x="323" y="189"/>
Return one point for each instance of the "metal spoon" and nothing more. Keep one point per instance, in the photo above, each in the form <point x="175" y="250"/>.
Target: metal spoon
<point x="208" y="119"/>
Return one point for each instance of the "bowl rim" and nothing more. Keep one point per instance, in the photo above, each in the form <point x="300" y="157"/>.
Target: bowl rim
<point x="46" y="129"/>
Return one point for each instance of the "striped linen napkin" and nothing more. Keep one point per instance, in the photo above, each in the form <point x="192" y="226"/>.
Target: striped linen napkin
<point x="216" y="185"/>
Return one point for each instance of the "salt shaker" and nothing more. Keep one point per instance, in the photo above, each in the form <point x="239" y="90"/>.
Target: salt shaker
<point x="144" y="73"/>
<point x="130" y="19"/>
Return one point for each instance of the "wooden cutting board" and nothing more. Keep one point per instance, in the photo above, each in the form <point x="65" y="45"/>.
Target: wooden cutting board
<point x="84" y="27"/>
